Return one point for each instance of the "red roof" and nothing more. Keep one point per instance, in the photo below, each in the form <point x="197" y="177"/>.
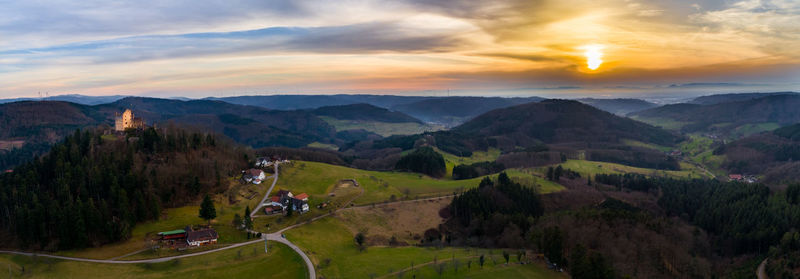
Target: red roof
<point x="275" y="199"/>
<point x="735" y="176"/>
<point x="207" y="234"/>
<point x="302" y="196"/>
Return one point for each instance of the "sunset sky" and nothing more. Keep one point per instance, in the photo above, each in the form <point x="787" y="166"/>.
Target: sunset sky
<point x="419" y="47"/>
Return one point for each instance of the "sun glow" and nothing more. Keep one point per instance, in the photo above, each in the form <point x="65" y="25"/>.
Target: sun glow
<point x="594" y="56"/>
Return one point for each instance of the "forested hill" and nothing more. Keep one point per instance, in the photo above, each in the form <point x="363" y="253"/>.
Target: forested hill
<point x="559" y="121"/>
<point x="92" y="188"/>
<point x="452" y="111"/>
<point x="364" y="112"/>
<point x="774" y="155"/>
<point x="727" y="98"/>
<point x="724" y="117"/>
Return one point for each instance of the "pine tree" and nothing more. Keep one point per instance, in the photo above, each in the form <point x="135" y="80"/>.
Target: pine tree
<point x="248" y="222"/>
<point x="207" y="210"/>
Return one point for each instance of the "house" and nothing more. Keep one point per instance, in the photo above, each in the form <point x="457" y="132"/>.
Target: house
<point x="201" y="237"/>
<point x="263" y="162"/>
<point x="282" y="193"/>
<point x="273" y="209"/>
<point x="254" y="175"/>
<point x="736" y="177"/>
<point x="173" y="234"/>
<point x="302" y="197"/>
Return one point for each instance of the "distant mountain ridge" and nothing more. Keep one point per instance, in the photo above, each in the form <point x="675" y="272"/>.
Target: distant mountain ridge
<point x="452" y="111"/>
<point x="735" y="97"/>
<point x="780" y="110"/>
<point x="364" y="112"/>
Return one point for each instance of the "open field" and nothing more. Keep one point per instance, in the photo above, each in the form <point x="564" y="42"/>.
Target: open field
<point x="406" y="221"/>
<point x="323" y="146"/>
<point x="330" y="245"/>
<point x="590" y="168"/>
<point x="451" y="160"/>
<point x="381" y="128"/>
<point x="246" y="262"/>
<point x="636" y="143"/>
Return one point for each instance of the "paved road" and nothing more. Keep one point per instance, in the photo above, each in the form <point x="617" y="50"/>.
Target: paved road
<point x="266" y="196"/>
<point x="157" y="260"/>
<point x="277" y="237"/>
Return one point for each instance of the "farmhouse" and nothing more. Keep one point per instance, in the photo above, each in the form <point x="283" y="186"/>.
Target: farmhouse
<point x="284" y="199"/>
<point x="201" y="237"/>
<point x="735" y="177"/>
<point x="263" y="162"/>
<point x="253" y="175"/>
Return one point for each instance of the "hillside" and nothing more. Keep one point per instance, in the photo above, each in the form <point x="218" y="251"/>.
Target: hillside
<point x="364" y="112"/>
<point x="72" y="98"/>
<point x="571" y="128"/>
<point x="618" y="106"/>
<point x="728" y="119"/>
<point x="92" y="189"/>
<point x="559" y="121"/>
<point x="452" y="111"/>
<point x="727" y="98"/>
<point x="773" y="155"/>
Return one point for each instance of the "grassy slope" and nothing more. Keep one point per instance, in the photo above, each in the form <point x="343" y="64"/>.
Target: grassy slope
<point x="281" y="262"/>
<point x="382" y="128"/>
<point x="329" y="239"/>
<point x="665" y="123"/>
<point x="320" y="145"/>
<point x="451" y="160"/>
<point x="318" y="179"/>
<point x="591" y="168"/>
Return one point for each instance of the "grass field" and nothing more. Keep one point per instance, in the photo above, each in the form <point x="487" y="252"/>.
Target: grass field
<point x="451" y="160"/>
<point x="590" y="168"/>
<point x="244" y="262"/>
<point x="330" y="245"/>
<point x="381" y="128"/>
<point x="636" y="143"/>
<point x="749" y="129"/>
<point x="323" y="146"/>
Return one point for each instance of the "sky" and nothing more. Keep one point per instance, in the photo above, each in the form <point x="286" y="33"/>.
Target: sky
<point x="597" y="48"/>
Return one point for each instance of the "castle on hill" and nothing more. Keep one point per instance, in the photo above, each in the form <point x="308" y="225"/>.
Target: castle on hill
<point x="126" y="120"/>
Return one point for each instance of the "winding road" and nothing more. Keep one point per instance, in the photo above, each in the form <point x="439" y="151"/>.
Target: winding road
<point x="266" y="195"/>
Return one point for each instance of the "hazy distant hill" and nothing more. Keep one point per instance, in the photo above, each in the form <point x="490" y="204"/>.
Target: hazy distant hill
<point x="290" y="102"/>
<point x="72" y="98"/>
<point x="726" y="98"/>
<point x="452" y="111"/>
<point x="364" y="112"/>
<point x="775" y="155"/>
<point x="734" y="119"/>
<point x="619" y="106"/>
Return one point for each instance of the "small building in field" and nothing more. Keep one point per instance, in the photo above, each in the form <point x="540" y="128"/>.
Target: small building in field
<point x="273" y="209"/>
<point x="201" y="237"/>
<point x="263" y="162"/>
<point x="735" y="177"/>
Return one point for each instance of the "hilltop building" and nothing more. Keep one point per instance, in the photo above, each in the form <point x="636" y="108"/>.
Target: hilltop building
<point x="126" y="120"/>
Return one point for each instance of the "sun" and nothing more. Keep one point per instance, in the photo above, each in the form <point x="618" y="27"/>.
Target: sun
<point x="594" y="56"/>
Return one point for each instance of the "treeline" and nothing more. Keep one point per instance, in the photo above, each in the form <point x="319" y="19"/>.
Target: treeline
<point x="13" y="157"/>
<point x="423" y="160"/>
<point x="631" y="181"/>
<point x="494" y="214"/>
<point x="464" y="171"/>
<point x="93" y="188"/>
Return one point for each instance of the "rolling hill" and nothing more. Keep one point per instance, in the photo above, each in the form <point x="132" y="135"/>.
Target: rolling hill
<point x="773" y="155"/>
<point x="364" y="112"/>
<point x="732" y="119"/>
<point x="452" y="111"/>
<point x="290" y="102"/>
<point x="727" y="98"/>
<point x="575" y="129"/>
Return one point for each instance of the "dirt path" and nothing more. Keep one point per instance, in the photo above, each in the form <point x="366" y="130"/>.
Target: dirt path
<point x="760" y="272"/>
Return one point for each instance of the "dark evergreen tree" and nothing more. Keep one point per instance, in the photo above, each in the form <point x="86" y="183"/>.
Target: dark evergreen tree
<point x="207" y="210"/>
